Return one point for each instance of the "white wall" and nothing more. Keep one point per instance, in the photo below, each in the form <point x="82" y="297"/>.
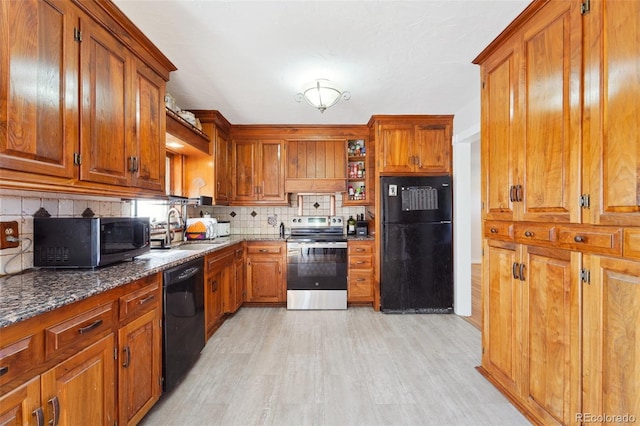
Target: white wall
<point x="466" y="207"/>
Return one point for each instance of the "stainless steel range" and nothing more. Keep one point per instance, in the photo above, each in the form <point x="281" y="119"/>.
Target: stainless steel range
<point x="317" y="263"/>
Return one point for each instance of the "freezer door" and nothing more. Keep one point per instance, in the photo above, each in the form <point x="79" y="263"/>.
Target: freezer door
<point x="417" y="268"/>
<point x="414" y="199"/>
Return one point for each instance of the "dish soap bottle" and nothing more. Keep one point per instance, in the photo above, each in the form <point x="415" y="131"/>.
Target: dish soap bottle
<point x="351" y="226"/>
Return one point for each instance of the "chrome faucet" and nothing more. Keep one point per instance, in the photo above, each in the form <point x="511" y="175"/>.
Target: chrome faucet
<point x="167" y="237"/>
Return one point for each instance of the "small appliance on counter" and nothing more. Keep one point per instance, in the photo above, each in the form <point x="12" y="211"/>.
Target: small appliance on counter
<point x="224" y="228"/>
<point x="362" y="228"/>
<point x="202" y="228"/>
<point x="88" y="242"/>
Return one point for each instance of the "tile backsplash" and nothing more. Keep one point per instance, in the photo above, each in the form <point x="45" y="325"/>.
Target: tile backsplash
<point x="20" y="206"/>
<point x="248" y="220"/>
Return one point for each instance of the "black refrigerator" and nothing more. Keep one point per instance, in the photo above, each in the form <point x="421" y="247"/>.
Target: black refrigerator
<point x="416" y="274"/>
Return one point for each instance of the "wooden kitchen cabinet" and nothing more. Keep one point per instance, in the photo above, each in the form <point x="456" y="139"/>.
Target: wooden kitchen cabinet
<point x="611" y="311"/>
<point x="531" y="312"/>
<point x="219" y="274"/>
<point x="81" y="389"/>
<point x="266" y="271"/>
<point x="316" y="166"/>
<point x="235" y="295"/>
<point x="360" y="271"/>
<point x="94" y="122"/>
<point x="525" y="144"/>
<point x="140" y="349"/>
<point x="360" y="172"/>
<point x="413" y="144"/>
<point x="611" y="171"/>
<point x="258" y="172"/>
<point x="560" y="343"/>
<point x="96" y="361"/>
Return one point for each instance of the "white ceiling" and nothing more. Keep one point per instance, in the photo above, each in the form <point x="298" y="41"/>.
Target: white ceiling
<point x="248" y="59"/>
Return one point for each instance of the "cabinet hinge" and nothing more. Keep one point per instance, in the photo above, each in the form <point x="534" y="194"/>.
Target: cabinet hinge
<point x="585" y="276"/>
<point x="77" y="158"/>
<point x="483" y="84"/>
<point x="115" y="353"/>
<point x="77" y="35"/>
<point x="585" y="7"/>
<point x="585" y="201"/>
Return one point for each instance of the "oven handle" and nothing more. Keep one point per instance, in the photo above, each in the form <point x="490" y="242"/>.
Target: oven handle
<point x="332" y="245"/>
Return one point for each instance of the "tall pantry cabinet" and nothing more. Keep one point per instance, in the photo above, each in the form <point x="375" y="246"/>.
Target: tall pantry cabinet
<point x="561" y="210"/>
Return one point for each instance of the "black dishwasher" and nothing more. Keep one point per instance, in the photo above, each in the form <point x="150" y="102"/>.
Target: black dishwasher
<point x="183" y="333"/>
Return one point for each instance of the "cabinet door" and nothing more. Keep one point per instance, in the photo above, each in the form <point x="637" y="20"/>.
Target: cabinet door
<point x="611" y="343"/>
<point x="140" y="367"/>
<point x="223" y="160"/>
<point x="394" y="142"/>
<point x="38" y="87"/>
<point x="433" y="148"/>
<point x="245" y="187"/>
<point x="22" y="405"/>
<point x="612" y="108"/>
<point x="107" y="109"/>
<point x="240" y="282"/>
<point x="548" y="115"/>
<point x="264" y="279"/>
<point x="499" y="146"/>
<point x="271" y="171"/>
<point x="215" y="283"/>
<point x="550" y="333"/>
<point x="81" y="390"/>
<point x="148" y="146"/>
<point x="501" y="296"/>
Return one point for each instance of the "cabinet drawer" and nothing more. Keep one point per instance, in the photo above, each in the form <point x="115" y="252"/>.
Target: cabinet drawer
<point x="498" y="230"/>
<point x="265" y="249"/>
<point x="591" y="239"/>
<point x="18" y="358"/>
<point x="137" y="302"/>
<point x="360" y="286"/>
<point x="79" y="331"/>
<point x="360" y="262"/>
<point x="534" y="233"/>
<point x="359" y="248"/>
<point x="632" y="243"/>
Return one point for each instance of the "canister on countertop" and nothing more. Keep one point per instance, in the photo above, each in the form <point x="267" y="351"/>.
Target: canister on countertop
<point x="224" y="228"/>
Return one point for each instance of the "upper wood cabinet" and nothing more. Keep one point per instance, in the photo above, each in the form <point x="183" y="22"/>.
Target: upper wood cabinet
<point x="316" y="166"/>
<point x="530" y="125"/>
<point x="611" y="178"/>
<point x="89" y="117"/>
<point x="413" y="144"/>
<point x="258" y="172"/>
<point x="39" y="111"/>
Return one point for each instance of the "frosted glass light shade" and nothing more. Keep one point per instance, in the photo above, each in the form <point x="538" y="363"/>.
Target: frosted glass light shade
<point x="322" y="94"/>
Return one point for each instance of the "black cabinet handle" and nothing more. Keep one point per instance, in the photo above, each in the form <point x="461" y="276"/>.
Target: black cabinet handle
<point x="55" y="407"/>
<point x="521" y="272"/>
<point x="512" y="193"/>
<point x="90" y="327"/>
<point x="493" y="230"/>
<point x="39" y="415"/>
<point x="528" y="234"/>
<point x="127" y="357"/>
<point x="514" y="271"/>
<point x="214" y="286"/>
<point x="578" y="239"/>
<point x="4" y="370"/>
<point x="518" y="192"/>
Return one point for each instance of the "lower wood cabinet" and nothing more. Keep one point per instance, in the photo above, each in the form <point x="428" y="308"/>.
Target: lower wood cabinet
<point x="235" y="294"/>
<point x="266" y="271"/>
<point x="94" y="362"/>
<point x="560" y="332"/>
<point x="360" y="271"/>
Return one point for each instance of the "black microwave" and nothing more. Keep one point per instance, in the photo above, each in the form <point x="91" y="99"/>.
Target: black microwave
<point x="71" y="242"/>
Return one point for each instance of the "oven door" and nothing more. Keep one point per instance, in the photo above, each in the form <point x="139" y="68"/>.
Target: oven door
<point x="316" y="275"/>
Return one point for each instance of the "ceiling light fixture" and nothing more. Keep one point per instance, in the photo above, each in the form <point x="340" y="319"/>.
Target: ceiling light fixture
<point x="322" y="94"/>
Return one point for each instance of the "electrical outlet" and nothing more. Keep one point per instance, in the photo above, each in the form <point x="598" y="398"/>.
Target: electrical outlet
<point x="8" y="229"/>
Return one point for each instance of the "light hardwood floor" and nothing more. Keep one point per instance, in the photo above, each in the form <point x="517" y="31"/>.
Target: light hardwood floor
<point x="270" y="366"/>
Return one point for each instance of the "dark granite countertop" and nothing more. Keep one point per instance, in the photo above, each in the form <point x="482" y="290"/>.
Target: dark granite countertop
<point x="38" y="291"/>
